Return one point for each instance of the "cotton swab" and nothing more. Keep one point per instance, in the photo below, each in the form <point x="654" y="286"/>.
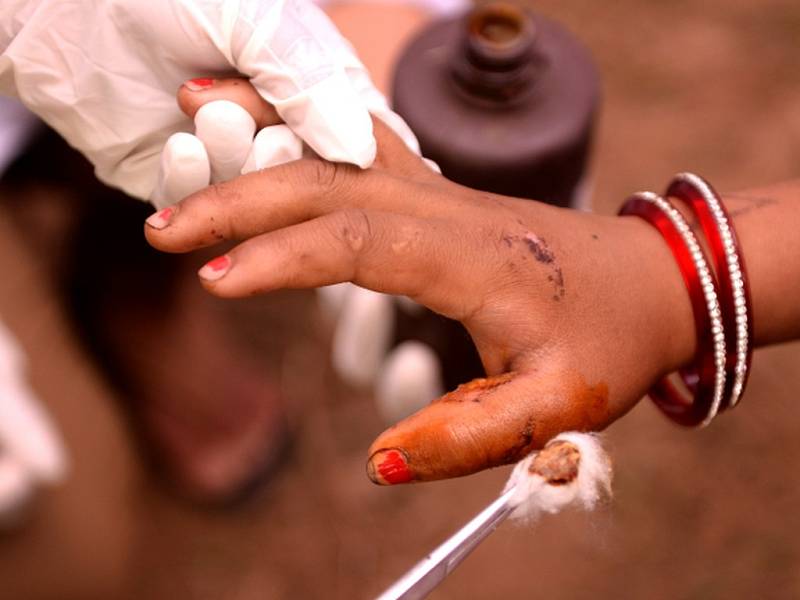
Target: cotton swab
<point x="573" y="469"/>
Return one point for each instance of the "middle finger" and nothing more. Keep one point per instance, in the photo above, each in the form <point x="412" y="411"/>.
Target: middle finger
<point x="280" y="196"/>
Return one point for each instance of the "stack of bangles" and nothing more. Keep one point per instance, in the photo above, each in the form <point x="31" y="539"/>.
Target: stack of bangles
<point x="720" y="299"/>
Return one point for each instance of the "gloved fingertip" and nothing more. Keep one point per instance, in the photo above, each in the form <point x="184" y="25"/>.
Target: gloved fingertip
<point x="409" y="379"/>
<point x="273" y="146"/>
<point x="332" y="299"/>
<point x="432" y="165"/>
<point x="16" y="489"/>
<point x="50" y="465"/>
<point x="184" y="169"/>
<point x="363" y="336"/>
<point x="226" y="130"/>
<point x="366" y="157"/>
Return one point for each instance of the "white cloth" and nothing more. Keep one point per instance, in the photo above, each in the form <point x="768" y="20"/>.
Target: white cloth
<point x="103" y="73"/>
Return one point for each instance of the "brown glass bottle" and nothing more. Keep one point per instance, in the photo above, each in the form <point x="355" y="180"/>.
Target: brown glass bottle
<point x="502" y="100"/>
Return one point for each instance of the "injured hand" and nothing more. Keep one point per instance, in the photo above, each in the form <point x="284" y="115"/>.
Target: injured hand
<point x="572" y="326"/>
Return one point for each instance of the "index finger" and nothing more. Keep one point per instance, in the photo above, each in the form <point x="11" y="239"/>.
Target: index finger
<point x="280" y="196"/>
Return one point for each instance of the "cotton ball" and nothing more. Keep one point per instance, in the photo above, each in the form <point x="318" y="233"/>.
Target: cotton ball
<point x="409" y="379"/>
<point x="408" y="306"/>
<point x="226" y="130"/>
<point x="573" y="469"/>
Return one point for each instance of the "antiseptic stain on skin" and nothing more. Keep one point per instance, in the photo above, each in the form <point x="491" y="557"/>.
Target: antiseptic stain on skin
<point x="473" y="390"/>
<point x="479" y="425"/>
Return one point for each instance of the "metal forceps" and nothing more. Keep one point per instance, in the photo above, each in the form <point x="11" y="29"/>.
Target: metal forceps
<point x="432" y="570"/>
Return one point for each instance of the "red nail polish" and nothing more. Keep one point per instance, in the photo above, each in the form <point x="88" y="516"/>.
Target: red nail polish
<point x="219" y="263"/>
<point x="215" y="269"/>
<point x="160" y="219"/>
<point x="199" y="83"/>
<point x="393" y="469"/>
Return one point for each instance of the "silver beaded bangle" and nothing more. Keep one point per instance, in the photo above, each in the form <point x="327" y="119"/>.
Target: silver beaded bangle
<point x="715" y="222"/>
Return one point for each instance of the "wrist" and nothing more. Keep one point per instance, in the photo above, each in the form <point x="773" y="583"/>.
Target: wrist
<point x="668" y="308"/>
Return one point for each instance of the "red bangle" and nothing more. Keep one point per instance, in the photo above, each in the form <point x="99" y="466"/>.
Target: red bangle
<point x="705" y="377"/>
<point x="735" y="299"/>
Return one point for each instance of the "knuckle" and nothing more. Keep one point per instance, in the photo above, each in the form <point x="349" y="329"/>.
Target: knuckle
<point x="356" y="229"/>
<point x="329" y="176"/>
<point x="407" y="240"/>
<point x="325" y="173"/>
<point x="352" y="229"/>
<point x="222" y="200"/>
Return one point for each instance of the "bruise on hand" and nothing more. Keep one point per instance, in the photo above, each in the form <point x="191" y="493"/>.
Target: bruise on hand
<point x="544" y="255"/>
<point x="489" y="422"/>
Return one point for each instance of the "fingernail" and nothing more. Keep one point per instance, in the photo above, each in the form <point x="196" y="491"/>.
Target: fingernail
<point x="199" y="84"/>
<point x="388" y="467"/>
<point x="160" y="219"/>
<point x="215" y="269"/>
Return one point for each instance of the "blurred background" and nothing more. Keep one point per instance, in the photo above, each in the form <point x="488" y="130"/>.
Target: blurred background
<point x="712" y="86"/>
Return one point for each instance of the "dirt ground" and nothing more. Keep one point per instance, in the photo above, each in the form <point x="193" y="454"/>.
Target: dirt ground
<point x="712" y="86"/>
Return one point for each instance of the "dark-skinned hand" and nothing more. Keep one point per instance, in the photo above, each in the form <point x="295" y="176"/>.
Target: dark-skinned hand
<point x="575" y="315"/>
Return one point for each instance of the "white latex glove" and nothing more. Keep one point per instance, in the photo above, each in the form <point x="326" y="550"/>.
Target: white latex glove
<point x="31" y="452"/>
<point x="223" y="147"/>
<point x="103" y="73"/>
<point x="405" y="378"/>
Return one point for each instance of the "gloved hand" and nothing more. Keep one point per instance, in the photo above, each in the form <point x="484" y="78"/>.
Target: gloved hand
<point x="103" y="73"/>
<point x="118" y="107"/>
<point x="405" y="377"/>
<point x="31" y="453"/>
<point x="226" y="113"/>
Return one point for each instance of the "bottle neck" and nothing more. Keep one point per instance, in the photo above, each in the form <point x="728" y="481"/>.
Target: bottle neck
<point x="497" y="61"/>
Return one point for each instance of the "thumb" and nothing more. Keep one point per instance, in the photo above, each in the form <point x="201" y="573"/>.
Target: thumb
<point x="487" y="423"/>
